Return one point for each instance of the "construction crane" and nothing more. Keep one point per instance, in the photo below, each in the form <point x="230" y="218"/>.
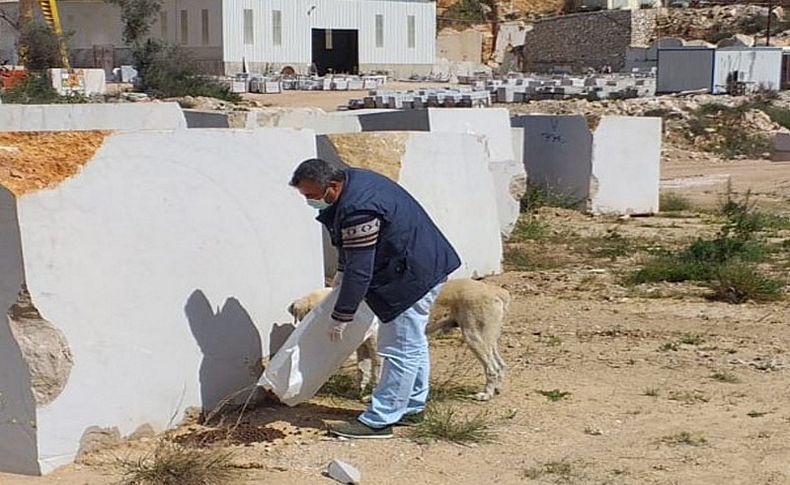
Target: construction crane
<point x="49" y="11"/>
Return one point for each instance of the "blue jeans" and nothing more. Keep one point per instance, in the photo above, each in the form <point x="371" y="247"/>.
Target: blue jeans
<point x="403" y="345"/>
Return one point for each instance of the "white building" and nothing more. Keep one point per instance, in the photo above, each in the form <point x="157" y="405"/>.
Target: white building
<point x="268" y="35"/>
<point x="693" y="68"/>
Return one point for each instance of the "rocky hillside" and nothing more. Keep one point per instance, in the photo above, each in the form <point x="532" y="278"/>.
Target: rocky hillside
<point x="725" y="126"/>
<point x="719" y="22"/>
<point x="480" y="10"/>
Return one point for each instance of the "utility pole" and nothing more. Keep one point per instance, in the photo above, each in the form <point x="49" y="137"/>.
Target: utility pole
<point x="768" y="29"/>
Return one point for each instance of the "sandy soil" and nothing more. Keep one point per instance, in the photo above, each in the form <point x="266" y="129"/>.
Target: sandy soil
<point x="638" y="411"/>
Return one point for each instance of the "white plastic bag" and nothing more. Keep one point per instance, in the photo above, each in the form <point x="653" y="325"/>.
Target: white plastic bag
<point x="309" y="358"/>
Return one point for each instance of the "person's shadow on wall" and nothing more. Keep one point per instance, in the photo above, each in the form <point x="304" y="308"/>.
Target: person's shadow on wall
<point x="231" y="347"/>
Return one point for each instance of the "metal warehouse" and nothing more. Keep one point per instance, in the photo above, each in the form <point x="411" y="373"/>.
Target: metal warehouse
<point x="267" y="35"/>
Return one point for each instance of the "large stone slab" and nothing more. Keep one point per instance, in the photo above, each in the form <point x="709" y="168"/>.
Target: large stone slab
<point x="311" y="118"/>
<point x="164" y="259"/>
<point x="781" y="151"/>
<point x="447" y="173"/>
<point x="626" y="161"/>
<point x="607" y="165"/>
<point x="93" y="116"/>
<point x="557" y="154"/>
<point x="493" y="124"/>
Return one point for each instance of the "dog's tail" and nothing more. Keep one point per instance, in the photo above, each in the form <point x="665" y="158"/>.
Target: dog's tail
<point x="504" y="297"/>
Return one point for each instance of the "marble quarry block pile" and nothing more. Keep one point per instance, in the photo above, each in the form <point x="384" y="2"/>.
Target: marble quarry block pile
<point x="141" y="273"/>
<point x="447" y="173"/>
<point x="492" y="124"/>
<point x="461" y="97"/>
<point x="91" y="116"/>
<point x="608" y="165"/>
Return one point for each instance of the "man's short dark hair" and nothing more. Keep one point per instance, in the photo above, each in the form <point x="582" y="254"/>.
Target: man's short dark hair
<point x="319" y="171"/>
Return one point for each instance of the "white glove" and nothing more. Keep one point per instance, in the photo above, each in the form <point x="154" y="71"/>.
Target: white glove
<point x="336" y="332"/>
<point x="337" y="280"/>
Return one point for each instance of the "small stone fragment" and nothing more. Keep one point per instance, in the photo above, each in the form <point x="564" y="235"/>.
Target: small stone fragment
<point x="344" y="473"/>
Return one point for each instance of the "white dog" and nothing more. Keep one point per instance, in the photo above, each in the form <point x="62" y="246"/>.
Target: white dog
<point x="477" y="308"/>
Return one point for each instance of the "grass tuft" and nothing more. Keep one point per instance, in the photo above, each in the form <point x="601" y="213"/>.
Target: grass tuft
<point x="684" y="438"/>
<point x="554" y="395"/>
<point x="446" y="423"/>
<point x="173" y="464"/>
<point x="524" y="259"/>
<point x="723" y="376"/>
<point x="536" y="197"/>
<point x="562" y="471"/>
<point x="672" y="202"/>
<point x="340" y="385"/>
<point x="739" y="283"/>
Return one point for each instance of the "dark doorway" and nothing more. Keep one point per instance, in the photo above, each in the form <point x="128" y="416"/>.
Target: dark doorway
<point x="336" y="51"/>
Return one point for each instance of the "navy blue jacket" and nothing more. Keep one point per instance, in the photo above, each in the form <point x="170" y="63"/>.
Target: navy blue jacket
<point x="391" y="252"/>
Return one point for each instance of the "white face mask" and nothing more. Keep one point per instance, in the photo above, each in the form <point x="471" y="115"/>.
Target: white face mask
<point x="319" y="204"/>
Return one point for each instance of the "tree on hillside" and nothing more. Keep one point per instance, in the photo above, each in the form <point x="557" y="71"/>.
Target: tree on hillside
<point x="163" y="71"/>
<point x="138" y="16"/>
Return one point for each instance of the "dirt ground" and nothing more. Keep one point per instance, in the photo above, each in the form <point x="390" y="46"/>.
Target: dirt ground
<point x="637" y="363"/>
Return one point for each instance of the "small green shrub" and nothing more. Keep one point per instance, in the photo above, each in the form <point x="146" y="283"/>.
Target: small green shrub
<point x="778" y="115"/>
<point x="340" y="385"/>
<point x="529" y="228"/>
<point x="611" y="246"/>
<point x="169" y="71"/>
<point x="727" y="377"/>
<point x="672" y="202"/>
<point x="536" y="197"/>
<point x="41" y="47"/>
<point x="721" y="129"/>
<point x="562" y="471"/>
<point x="554" y="395"/>
<point x="466" y="11"/>
<point x="670" y="269"/>
<point x="684" y="438"/>
<point x="36" y="88"/>
<point x="526" y="259"/>
<point x="736" y="241"/>
<point x="446" y="423"/>
<point x="691" y="339"/>
<point x="174" y="464"/>
<point x="738" y="283"/>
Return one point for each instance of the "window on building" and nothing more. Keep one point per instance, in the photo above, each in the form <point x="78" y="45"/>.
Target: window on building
<point x="163" y="24"/>
<point x="184" y="27"/>
<point x="328" y="39"/>
<point x="379" y="30"/>
<point x="412" y="31"/>
<point x="204" y="25"/>
<point x="277" y="27"/>
<point x="249" y="33"/>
